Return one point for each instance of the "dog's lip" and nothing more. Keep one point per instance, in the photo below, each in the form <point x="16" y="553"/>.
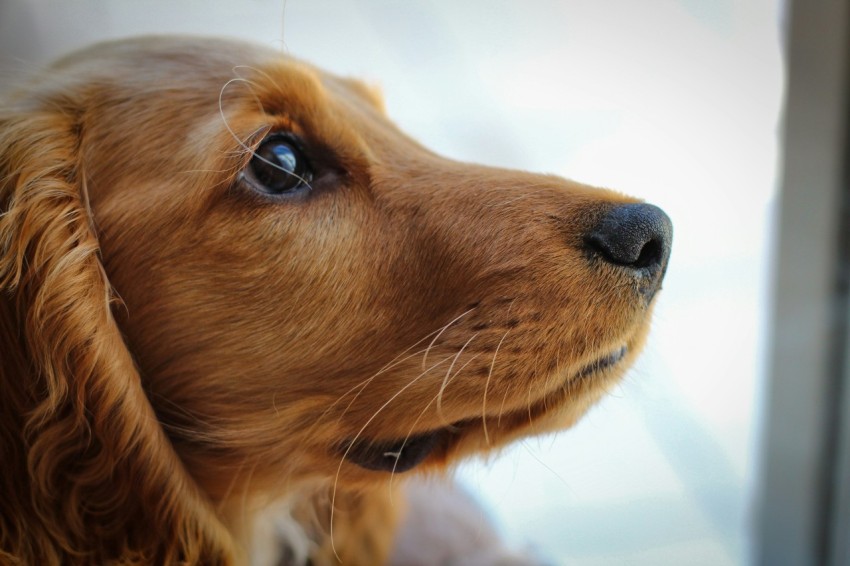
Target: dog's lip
<point x="604" y="362"/>
<point x="404" y="454"/>
<point x="398" y="455"/>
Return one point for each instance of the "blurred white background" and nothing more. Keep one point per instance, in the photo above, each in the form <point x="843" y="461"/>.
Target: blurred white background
<point x="676" y="101"/>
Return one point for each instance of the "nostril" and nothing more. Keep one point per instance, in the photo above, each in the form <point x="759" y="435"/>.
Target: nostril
<point x="637" y="236"/>
<point x="650" y="254"/>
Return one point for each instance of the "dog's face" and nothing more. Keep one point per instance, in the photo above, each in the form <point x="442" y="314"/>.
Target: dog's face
<point x="309" y="293"/>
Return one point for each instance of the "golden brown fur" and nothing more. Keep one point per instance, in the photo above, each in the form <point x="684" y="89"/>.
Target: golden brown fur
<point x="179" y="351"/>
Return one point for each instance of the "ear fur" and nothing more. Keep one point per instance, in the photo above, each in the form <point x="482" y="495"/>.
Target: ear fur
<point x="88" y="475"/>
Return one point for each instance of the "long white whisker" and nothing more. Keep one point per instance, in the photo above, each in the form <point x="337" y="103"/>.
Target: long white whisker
<point x="365" y="383"/>
<point x="236" y="138"/>
<point x="440" y="333"/>
<point x="421" y="414"/>
<point x="388" y="366"/>
<point x="446" y="378"/>
<point x="361" y="386"/>
<point x="486" y="385"/>
<point x="502" y="407"/>
<point x="409" y="432"/>
<point x="357" y="436"/>
<point x="241" y="143"/>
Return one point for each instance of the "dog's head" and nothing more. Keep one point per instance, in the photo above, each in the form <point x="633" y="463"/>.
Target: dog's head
<point x="300" y="290"/>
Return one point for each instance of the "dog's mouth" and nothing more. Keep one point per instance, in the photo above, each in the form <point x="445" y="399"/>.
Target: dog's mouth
<point x="404" y="454"/>
<point x="395" y="455"/>
<point x="604" y="363"/>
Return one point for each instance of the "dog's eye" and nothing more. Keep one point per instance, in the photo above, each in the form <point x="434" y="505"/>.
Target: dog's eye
<point x="279" y="166"/>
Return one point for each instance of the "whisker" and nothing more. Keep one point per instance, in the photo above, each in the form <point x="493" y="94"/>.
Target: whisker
<point x="447" y="383"/>
<point x="486" y="385"/>
<point x="549" y="377"/>
<point x="390" y="365"/>
<point x="422" y="413"/>
<point x="233" y="134"/>
<point x="502" y="406"/>
<point x="552" y="376"/>
<point x="363" y="385"/>
<point x="409" y="433"/>
<point x="544" y="464"/>
<point x="236" y="137"/>
<point x="357" y="436"/>
<point x="446" y="379"/>
<point x="440" y="333"/>
<point x="359" y="387"/>
<point x="507" y="389"/>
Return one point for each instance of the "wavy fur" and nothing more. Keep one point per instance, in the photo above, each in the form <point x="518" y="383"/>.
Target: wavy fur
<point x="195" y="372"/>
<point x="80" y="485"/>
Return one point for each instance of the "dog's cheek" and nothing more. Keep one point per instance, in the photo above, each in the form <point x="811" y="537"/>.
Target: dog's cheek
<point x="289" y="290"/>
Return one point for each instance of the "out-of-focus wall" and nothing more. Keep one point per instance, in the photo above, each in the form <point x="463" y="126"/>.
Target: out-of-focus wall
<point x="673" y="100"/>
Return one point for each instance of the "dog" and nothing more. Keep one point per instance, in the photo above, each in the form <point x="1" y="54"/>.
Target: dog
<point x="239" y="308"/>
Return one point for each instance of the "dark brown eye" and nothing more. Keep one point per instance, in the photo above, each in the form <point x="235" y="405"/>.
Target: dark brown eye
<point x="279" y="166"/>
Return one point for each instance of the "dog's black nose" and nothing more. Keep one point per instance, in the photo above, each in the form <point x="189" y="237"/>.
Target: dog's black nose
<point x="634" y="236"/>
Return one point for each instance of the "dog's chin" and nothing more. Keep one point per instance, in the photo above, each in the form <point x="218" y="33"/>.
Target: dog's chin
<point x="404" y="454"/>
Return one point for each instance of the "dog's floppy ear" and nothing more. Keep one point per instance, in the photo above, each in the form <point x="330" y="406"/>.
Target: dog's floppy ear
<point x="88" y="474"/>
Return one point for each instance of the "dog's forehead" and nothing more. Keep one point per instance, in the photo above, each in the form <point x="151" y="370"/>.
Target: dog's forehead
<point x="151" y="67"/>
<point x="161" y="83"/>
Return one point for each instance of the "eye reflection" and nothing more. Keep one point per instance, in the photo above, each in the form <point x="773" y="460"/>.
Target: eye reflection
<point x="285" y="157"/>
